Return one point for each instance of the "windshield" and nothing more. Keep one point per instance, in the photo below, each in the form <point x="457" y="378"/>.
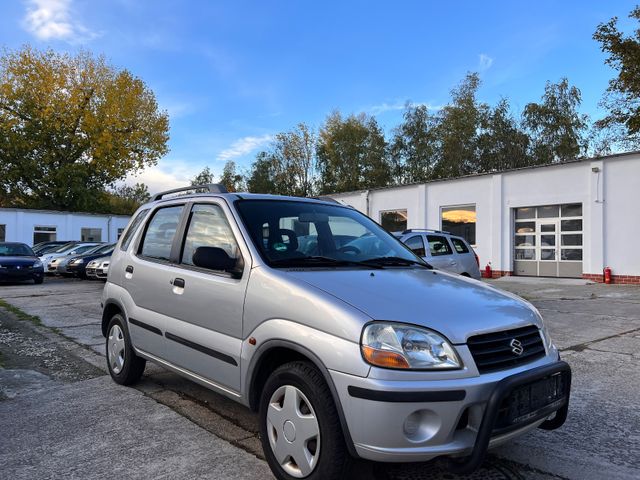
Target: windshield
<point x="291" y="233"/>
<point x="15" y="250"/>
<point x="63" y="248"/>
<point x="103" y="249"/>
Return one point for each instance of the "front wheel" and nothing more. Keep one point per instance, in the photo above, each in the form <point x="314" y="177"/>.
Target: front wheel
<point x="124" y="365"/>
<point x="299" y="425"/>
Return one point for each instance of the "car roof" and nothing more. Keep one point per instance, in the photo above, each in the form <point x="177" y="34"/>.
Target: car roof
<point x="235" y="196"/>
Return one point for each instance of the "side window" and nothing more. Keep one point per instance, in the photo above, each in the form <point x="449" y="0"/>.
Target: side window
<point x="416" y="244"/>
<point x="459" y="245"/>
<point x="133" y="226"/>
<point x="438" y="245"/>
<point x="158" y="238"/>
<point x="208" y="227"/>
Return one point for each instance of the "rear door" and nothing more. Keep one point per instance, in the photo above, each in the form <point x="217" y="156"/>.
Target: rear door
<point x="146" y="273"/>
<point x="204" y="334"/>
<point x="441" y="254"/>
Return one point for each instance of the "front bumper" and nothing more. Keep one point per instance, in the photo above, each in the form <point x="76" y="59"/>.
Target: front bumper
<point x="392" y="421"/>
<point x="24" y="273"/>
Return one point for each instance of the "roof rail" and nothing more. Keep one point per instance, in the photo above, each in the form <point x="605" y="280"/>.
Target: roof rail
<point x="209" y="187"/>
<point x="326" y="199"/>
<point x="410" y="230"/>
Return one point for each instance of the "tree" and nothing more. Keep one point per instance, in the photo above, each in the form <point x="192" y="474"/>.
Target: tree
<point x="70" y="126"/>
<point x="261" y="178"/>
<point x="501" y="143"/>
<point x="203" y="178"/>
<point x="125" y="199"/>
<point x="622" y="98"/>
<point x="414" y="148"/>
<point x="231" y="179"/>
<point x="557" y="129"/>
<point x="352" y="154"/>
<point x="293" y="160"/>
<point x="457" y="130"/>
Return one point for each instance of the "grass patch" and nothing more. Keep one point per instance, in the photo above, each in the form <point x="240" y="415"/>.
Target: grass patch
<point x="20" y="314"/>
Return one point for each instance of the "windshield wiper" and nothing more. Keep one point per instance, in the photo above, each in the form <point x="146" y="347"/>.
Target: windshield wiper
<point x="320" y="260"/>
<point x="391" y="261"/>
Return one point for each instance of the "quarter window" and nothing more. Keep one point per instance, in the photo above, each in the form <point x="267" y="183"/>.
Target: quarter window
<point x="208" y="227"/>
<point x="438" y="245"/>
<point x="133" y="226"/>
<point x="161" y="230"/>
<point x="459" y="245"/>
<point x="416" y="244"/>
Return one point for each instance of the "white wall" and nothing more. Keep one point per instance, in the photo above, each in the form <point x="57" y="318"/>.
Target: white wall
<point x="610" y="199"/>
<point x="20" y="224"/>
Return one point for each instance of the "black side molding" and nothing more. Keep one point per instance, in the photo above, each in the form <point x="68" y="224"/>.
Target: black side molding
<point x="200" y="348"/>
<point x="407" y="397"/>
<point x="146" y="326"/>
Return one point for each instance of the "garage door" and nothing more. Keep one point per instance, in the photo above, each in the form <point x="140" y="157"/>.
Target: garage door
<point x="547" y="240"/>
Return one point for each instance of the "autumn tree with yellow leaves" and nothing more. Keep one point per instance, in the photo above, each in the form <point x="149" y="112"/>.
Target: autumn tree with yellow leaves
<point x="70" y="127"/>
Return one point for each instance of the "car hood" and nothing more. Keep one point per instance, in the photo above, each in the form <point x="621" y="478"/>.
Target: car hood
<point x="452" y="305"/>
<point x="15" y="261"/>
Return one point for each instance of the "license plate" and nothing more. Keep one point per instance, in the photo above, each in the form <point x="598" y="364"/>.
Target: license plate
<point x="529" y="400"/>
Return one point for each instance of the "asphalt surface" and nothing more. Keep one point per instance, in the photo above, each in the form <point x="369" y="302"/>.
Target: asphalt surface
<point x="61" y="416"/>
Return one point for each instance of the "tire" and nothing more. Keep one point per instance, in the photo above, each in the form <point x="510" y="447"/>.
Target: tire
<point x="38" y="280"/>
<point x="125" y="367"/>
<point x="301" y="384"/>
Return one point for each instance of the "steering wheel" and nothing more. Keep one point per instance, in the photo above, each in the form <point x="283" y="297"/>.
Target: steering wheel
<point x="349" y="248"/>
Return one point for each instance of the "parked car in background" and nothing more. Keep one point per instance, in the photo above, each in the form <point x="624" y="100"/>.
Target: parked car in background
<point x="77" y="265"/>
<point x="74" y="248"/>
<point x="92" y="267"/>
<point x="102" y="270"/>
<point x="443" y="250"/>
<point x="46" y="247"/>
<point x="358" y="349"/>
<point x="18" y="262"/>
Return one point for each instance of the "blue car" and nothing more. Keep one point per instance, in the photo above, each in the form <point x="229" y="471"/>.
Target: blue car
<point x="18" y="262"/>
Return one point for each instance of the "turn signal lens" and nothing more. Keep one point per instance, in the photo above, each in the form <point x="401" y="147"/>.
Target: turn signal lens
<point x="383" y="358"/>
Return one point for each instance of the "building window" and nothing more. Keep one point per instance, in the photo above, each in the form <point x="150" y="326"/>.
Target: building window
<point x="394" y="220"/>
<point x="460" y="221"/>
<point x="3" y="233"/>
<point x="120" y="230"/>
<point x="43" y="234"/>
<point x="91" y="234"/>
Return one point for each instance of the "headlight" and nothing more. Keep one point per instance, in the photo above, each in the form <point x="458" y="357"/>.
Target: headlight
<point x="78" y="261"/>
<point x="37" y="264"/>
<point x="396" y="345"/>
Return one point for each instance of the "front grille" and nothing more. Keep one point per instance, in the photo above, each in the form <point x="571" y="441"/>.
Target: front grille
<point x="494" y="351"/>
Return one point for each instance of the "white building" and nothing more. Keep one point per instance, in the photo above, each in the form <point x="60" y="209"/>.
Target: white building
<point x="566" y="220"/>
<point x="35" y="226"/>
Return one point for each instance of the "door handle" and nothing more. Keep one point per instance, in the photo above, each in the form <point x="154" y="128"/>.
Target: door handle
<point x="178" y="282"/>
<point x="129" y="269"/>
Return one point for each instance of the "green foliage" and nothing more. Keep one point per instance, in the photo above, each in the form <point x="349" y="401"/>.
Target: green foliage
<point x="125" y="200"/>
<point x="261" y="179"/>
<point x="203" y="178"/>
<point x="556" y="127"/>
<point x="622" y="98"/>
<point x="231" y="179"/>
<point x="352" y="154"/>
<point x="71" y="126"/>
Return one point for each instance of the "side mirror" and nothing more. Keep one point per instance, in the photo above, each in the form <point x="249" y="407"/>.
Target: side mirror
<point x="213" y="258"/>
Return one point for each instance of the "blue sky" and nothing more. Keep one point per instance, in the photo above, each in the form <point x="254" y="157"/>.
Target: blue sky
<point x="232" y="74"/>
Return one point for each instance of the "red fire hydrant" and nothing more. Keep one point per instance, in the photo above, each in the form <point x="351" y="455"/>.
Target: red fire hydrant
<point x="607" y="275"/>
<point x="487" y="271"/>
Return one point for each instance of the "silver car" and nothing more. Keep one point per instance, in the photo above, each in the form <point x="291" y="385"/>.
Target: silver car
<point x="347" y="349"/>
<point x="443" y="250"/>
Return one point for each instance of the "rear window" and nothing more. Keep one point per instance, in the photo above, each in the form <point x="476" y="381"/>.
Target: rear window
<point x="459" y="245"/>
<point x="438" y="245"/>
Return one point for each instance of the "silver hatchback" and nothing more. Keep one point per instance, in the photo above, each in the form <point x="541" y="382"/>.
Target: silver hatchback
<point x="443" y="250"/>
<point x="345" y="343"/>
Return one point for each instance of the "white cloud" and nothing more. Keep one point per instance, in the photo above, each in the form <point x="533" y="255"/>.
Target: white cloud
<point x="243" y="146"/>
<point x="159" y="179"/>
<point x="485" y="62"/>
<point x="52" y="20"/>
<point x="395" y="106"/>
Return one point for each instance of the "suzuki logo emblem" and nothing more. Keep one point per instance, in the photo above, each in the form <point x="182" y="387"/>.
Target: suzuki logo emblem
<point x="516" y="346"/>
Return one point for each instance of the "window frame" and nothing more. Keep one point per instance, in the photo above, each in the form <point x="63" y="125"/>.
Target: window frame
<point x="40" y="229"/>
<point x="99" y="229"/>
<point x="473" y="244"/>
<point x="174" y="244"/>
<point x="183" y="227"/>
<point x="143" y="214"/>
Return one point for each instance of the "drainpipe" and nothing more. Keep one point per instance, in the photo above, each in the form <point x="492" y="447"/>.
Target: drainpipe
<point x="366" y="199"/>
<point x="109" y="228"/>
